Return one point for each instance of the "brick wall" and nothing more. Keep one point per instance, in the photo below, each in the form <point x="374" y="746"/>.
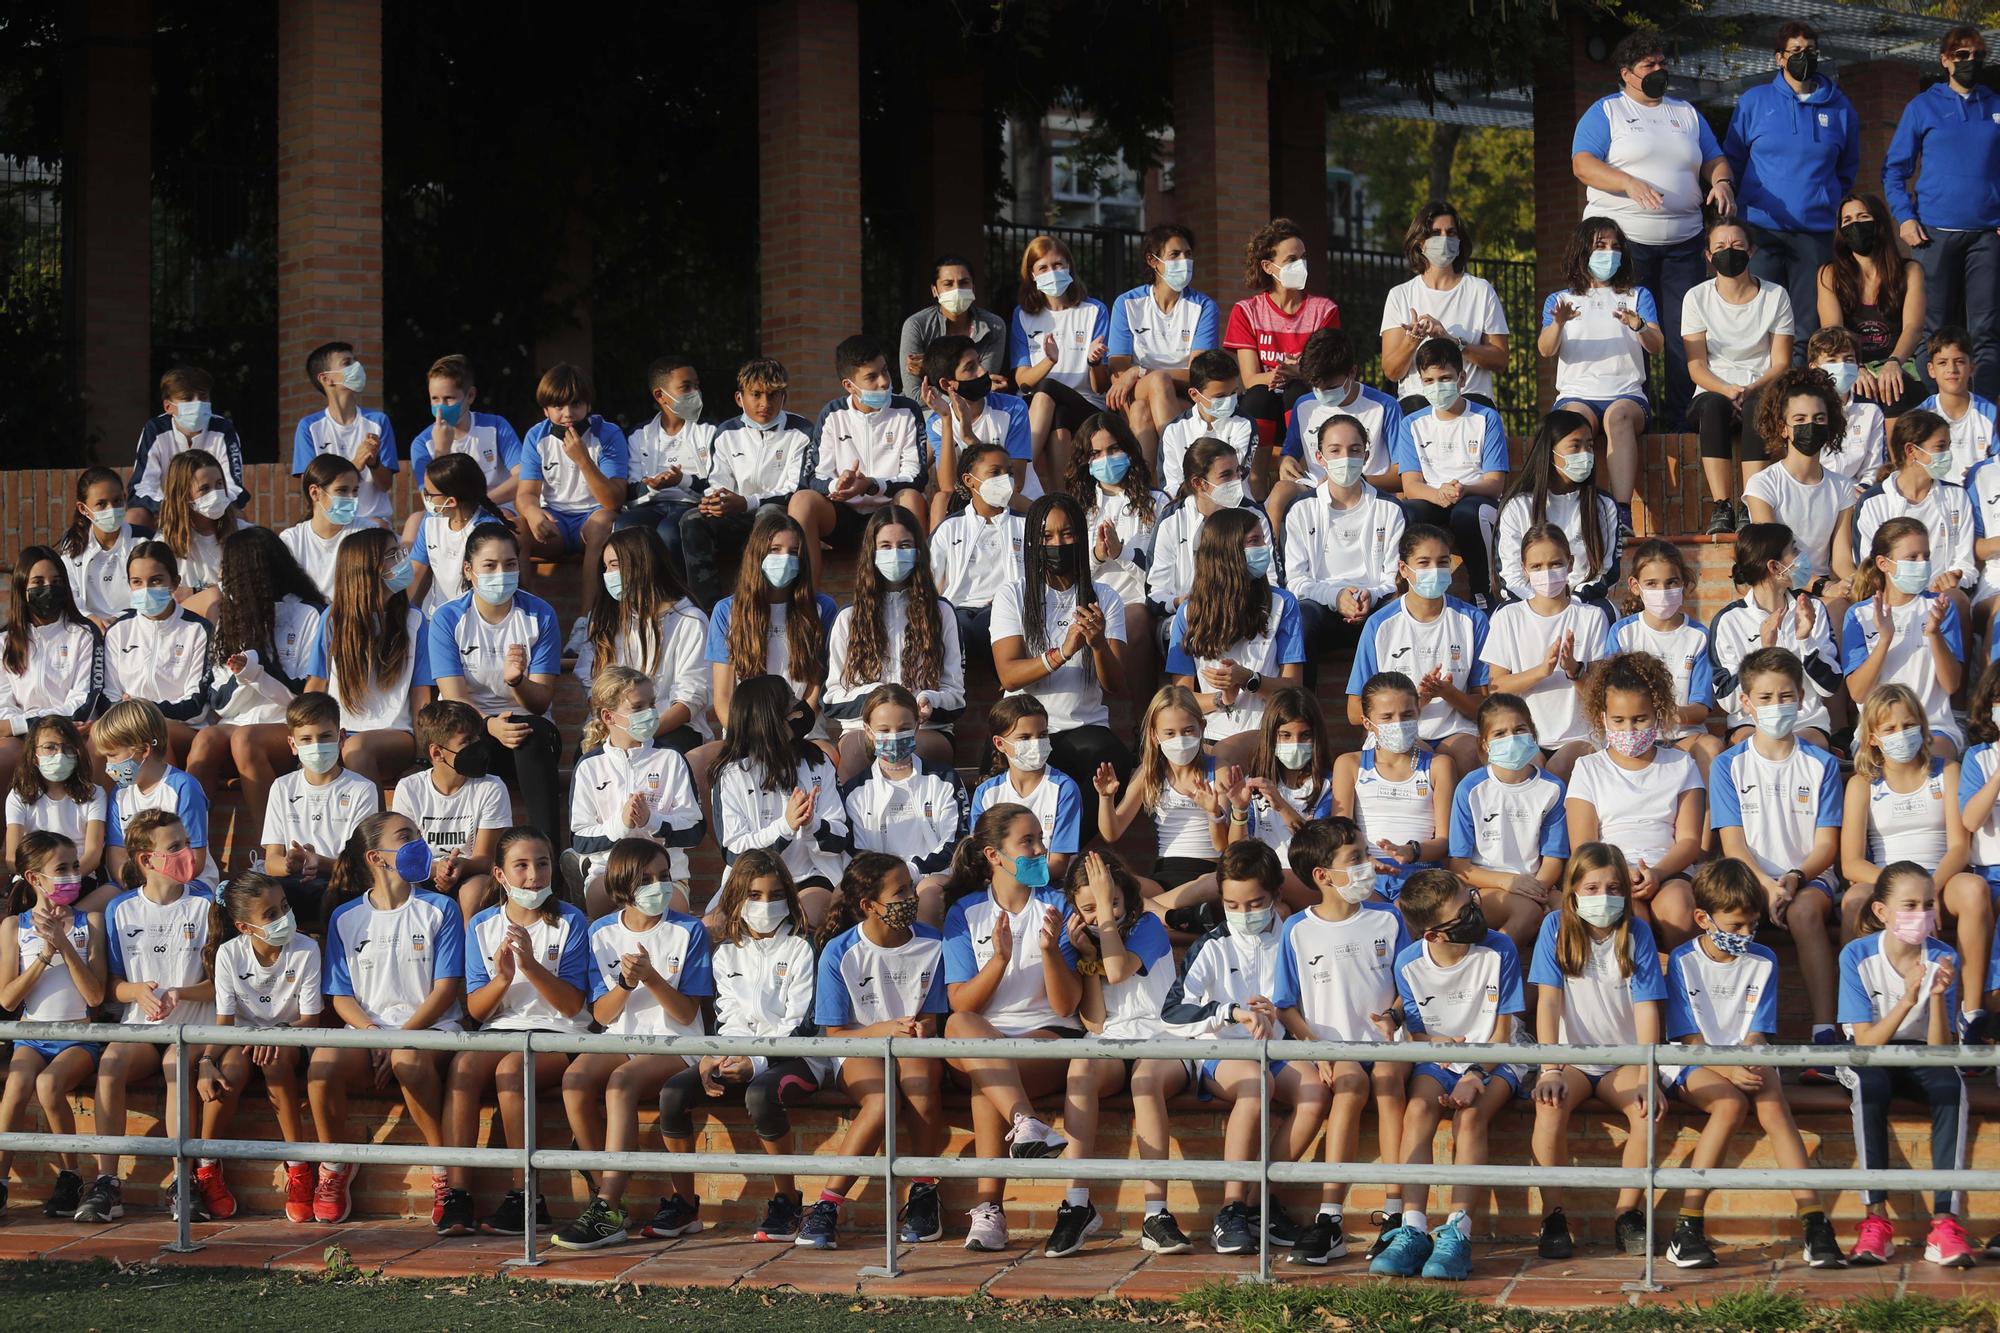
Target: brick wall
<point x="1567" y="82"/>
<point x="1222" y="141"/>
<point x="952" y="202"/>
<point x="1298" y="159"/>
<point x="329" y="188"/>
<point x="809" y="173"/>
<point x="1879" y="90"/>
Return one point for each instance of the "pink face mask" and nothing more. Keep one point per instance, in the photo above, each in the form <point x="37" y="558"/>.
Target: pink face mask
<point x="1549" y="582"/>
<point x="63" y="892"/>
<point x="182" y="866"/>
<point x="1914" y="927"/>
<point x="1664" y="603"/>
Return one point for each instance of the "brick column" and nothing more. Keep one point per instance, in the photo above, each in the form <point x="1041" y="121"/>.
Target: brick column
<point x="809" y="199"/>
<point x="329" y="192"/>
<point x="1879" y="89"/>
<point x="111" y="203"/>
<point x="1298" y="162"/>
<point x="1222" y="133"/>
<point x="1566" y="82"/>
<point x="952" y="202"/>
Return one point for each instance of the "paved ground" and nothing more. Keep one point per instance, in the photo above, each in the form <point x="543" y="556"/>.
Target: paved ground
<point x="1111" y="1266"/>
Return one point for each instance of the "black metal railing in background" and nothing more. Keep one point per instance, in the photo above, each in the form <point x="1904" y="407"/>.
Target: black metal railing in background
<point x="1110" y="260"/>
<point x="40" y="410"/>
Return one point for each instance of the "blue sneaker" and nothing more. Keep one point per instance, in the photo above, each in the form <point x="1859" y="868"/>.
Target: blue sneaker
<point x="1826" y="1073"/>
<point x="1408" y="1249"/>
<point x="1451" y="1255"/>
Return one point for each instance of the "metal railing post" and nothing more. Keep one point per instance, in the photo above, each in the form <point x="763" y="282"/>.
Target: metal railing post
<point x="890" y="1096"/>
<point x="528" y="1258"/>
<point x="1648" y="1283"/>
<point x="1264" y="1160"/>
<point x="183" y="1174"/>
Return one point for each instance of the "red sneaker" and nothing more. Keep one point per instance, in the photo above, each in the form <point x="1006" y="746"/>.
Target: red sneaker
<point x="216" y="1200"/>
<point x="299" y="1192"/>
<point x="330" y="1201"/>
<point x="1947" y="1245"/>
<point x="1875" y="1241"/>
<point x="440" y="1191"/>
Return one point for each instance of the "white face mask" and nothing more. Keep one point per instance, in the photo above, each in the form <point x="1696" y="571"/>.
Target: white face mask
<point x="765" y="917"/>
<point x="997" y="490"/>
<point x="1180" y="749"/>
<point x="1395" y="737"/>
<point x="651" y="899"/>
<point x="277" y="933"/>
<point x="1292" y="276"/>
<point x="1359" y="884"/>
<point x="956" y="301"/>
<point x="214" y="504"/>
<point x="1030" y="755"/>
<point x="1601" y="909"/>
<point x="1440" y="251"/>
<point x="1227" y="494"/>
<point x="528" y="899"/>
<point x="1293" y="754"/>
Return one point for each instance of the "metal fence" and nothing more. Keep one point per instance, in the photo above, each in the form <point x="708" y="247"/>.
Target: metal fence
<point x="531" y="1158"/>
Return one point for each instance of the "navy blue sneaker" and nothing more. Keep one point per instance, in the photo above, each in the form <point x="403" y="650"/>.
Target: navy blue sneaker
<point x="821" y="1229"/>
<point x="1825" y="1073"/>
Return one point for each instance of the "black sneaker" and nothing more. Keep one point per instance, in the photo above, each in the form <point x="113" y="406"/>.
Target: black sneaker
<point x="1283" y="1230"/>
<point x="598" y="1225"/>
<point x="1074" y="1221"/>
<point x="781" y="1218"/>
<point x="455" y="1215"/>
<point x="1162" y="1235"/>
<point x="1630" y="1231"/>
<point x="1823" y="1247"/>
<point x="1386" y="1226"/>
<point x="821" y="1228"/>
<point x="1689" y="1248"/>
<point x="511" y="1217"/>
<point x="105" y="1202"/>
<point x="1319" y="1242"/>
<point x="1720" y="519"/>
<point x="677" y="1217"/>
<point x="194" y="1202"/>
<point x="921" y="1217"/>
<point x="1981" y="1029"/>
<point x="1231" y="1232"/>
<point x="67" y="1197"/>
<point x="1196" y="920"/>
<point x="575" y="871"/>
<point x="1992" y="1246"/>
<point x="1555" y="1242"/>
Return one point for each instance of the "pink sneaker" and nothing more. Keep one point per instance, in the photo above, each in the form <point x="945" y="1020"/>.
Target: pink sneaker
<point x="1947" y="1245"/>
<point x="1875" y="1243"/>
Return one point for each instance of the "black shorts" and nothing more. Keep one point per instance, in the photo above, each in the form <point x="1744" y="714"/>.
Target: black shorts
<point x="847" y="525"/>
<point x="1172" y="871"/>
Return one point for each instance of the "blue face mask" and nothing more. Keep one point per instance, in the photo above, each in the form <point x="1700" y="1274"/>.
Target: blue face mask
<point x="896" y="564"/>
<point x="495" y="589"/>
<point x="1443" y="394"/>
<point x="1031" y="871"/>
<point x="1902" y="746"/>
<point x="1911" y="576"/>
<point x="400" y="576"/>
<point x="1053" y="283"/>
<point x="1177" y="273"/>
<point x="1432" y="582"/>
<point x="894" y="747"/>
<point x="1259" y="560"/>
<point x="341" y="509"/>
<point x="1223" y="408"/>
<point x="124" y="772"/>
<point x="1604" y="264"/>
<point x="780" y="569"/>
<point x="152" y="601"/>
<point x="319" y="757"/>
<point x="449" y="413"/>
<point x="1330" y="397"/>
<point x="1515" y="751"/>
<point x="643" y="724"/>
<point x="614" y="583"/>
<point x="414" y="860"/>
<point x="1730" y="943"/>
<point x="1843" y="374"/>
<point x="872" y="399"/>
<point x="1110" y="469"/>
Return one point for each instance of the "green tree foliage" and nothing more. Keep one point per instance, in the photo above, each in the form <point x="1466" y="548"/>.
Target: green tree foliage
<point x="1492" y="178"/>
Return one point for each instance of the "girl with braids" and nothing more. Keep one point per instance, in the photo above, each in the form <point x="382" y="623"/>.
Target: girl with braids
<point x="266" y="976"/>
<point x="1109" y="478"/>
<point x="414" y="979"/>
<point x="1238" y="637"/>
<point x="53" y="792"/>
<point x="1054" y="635"/>
<point x="1215" y="482"/>
<point x="259" y="659"/>
<point x="94" y="546"/>
<point x="159" y="650"/>
<point x="194" y="523"/>
<point x="648" y="622"/>
<point x="649" y="964"/>
<point x="1799" y="419"/>
<point x="1290" y="775"/>
<point x="1598" y="970"/>
<point x="881" y="974"/>
<point x="1010" y="971"/>
<point x="332" y="487"/>
<point x="370" y="655"/>
<point x="52" y="970"/>
<point x="455" y="502"/>
<point x="1018" y="730"/>
<point x="775" y="789"/>
<point x="1896" y="633"/>
<point x="161" y="968"/>
<point x="898" y="632"/>
<point x="51" y="655"/>
<point x="527" y="968"/>
<point x="1558" y="483"/>
<point x="1646" y="799"/>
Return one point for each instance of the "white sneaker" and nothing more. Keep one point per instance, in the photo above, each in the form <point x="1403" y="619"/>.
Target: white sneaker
<point x="988" y="1230"/>
<point x="1031" y="1138"/>
<point x="579" y="634"/>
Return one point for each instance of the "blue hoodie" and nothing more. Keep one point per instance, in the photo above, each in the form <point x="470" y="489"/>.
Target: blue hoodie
<point x="1956" y="140"/>
<point x="1793" y="157"/>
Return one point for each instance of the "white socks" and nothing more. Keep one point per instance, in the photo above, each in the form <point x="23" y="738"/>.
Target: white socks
<point x="1077" y="1198"/>
<point x="1416" y="1221"/>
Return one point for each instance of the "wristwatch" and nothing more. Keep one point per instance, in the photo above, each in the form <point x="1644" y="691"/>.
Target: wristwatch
<point x="1255" y="683"/>
<point x="1416" y="850"/>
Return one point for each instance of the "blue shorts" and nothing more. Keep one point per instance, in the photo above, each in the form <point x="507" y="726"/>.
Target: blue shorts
<point x="1204" y="1072"/>
<point x="1508" y="1074"/>
<point x="1992" y="874"/>
<point x="1598" y="406"/>
<point x="571" y="527"/>
<point x="1826" y="885"/>
<point x="49" y="1050"/>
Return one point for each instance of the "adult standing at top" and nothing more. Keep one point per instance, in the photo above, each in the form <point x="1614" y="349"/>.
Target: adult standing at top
<point x="953" y="310"/>
<point x="1949" y="137"/>
<point x="1269" y="330"/>
<point x="1649" y="162"/>
<point x="1157" y="330"/>
<point x="1442" y="301"/>
<point x="1794" y="145"/>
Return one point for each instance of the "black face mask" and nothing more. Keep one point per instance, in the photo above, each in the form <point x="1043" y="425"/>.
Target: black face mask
<point x="472" y="761"/>
<point x="1809" y="437"/>
<point x="42" y="600"/>
<point x="974" y="389"/>
<point x="1468" y="927"/>
<point x="1066" y="561"/>
<point x="1730" y="263"/>
<point x="802" y="722"/>
<point x="1965" y="72"/>
<point x="1654" y="85"/>
<point x="1863" y="236"/>
<point x="1802" y="65"/>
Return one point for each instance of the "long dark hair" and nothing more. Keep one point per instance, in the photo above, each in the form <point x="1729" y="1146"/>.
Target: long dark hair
<point x="16" y="639"/>
<point x="77" y="535"/>
<point x="351" y="875"/>
<point x="1228" y="604"/>
<point x="31" y="786"/>
<point x="1576" y="256"/>
<point x="1039" y="562"/>
<point x="1289" y="705"/>
<point x="867" y="631"/>
<point x="1539" y="475"/>
<point x="650" y="589"/>
<point x="861" y="883"/>
<point x="750" y="614"/>
<point x="1888" y="259"/>
<point x="760" y="733"/>
<point x="259" y="571"/>
<point x="367" y="627"/>
<point x="458" y="476"/>
<point x="746" y="870"/>
<point x="1420" y="231"/>
<point x="1138" y="484"/>
<point x="970" y="872"/>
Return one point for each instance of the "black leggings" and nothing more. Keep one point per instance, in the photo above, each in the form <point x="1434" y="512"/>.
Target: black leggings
<point x="1268" y="407"/>
<point x="763" y="1096"/>
<point x="1078" y="751"/>
<point x="1726" y="430"/>
<point x="1942" y="1090"/>
<point x="531" y="770"/>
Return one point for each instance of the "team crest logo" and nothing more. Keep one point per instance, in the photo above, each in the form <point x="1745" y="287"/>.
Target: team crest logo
<point x="187" y="934"/>
<point x="417" y="942"/>
<point x="1381" y="948"/>
<point x="1493" y="993"/>
<point x="291" y="975"/>
<point x="780" y="971"/>
<point x="924" y="980"/>
<point x="1802" y="796"/>
<point x="550" y="953"/>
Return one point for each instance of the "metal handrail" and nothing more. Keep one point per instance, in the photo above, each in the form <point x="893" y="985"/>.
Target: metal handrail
<point x="531" y="1158"/>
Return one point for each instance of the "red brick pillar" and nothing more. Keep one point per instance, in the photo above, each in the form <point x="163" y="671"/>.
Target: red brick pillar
<point x="1565" y="84"/>
<point x="1879" y="89"/>
<point x="809" y="200"/>
<point x="1298" y="162"/>
<point x="111" y="195"/>
<point x="1222" y="134"/>
<point x="329" y="192"/>
<point x="951" y="208"/>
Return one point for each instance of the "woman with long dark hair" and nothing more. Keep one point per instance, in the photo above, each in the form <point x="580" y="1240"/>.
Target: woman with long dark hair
<point x="371" y="655"/>
<point x="1874" y="293"/>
